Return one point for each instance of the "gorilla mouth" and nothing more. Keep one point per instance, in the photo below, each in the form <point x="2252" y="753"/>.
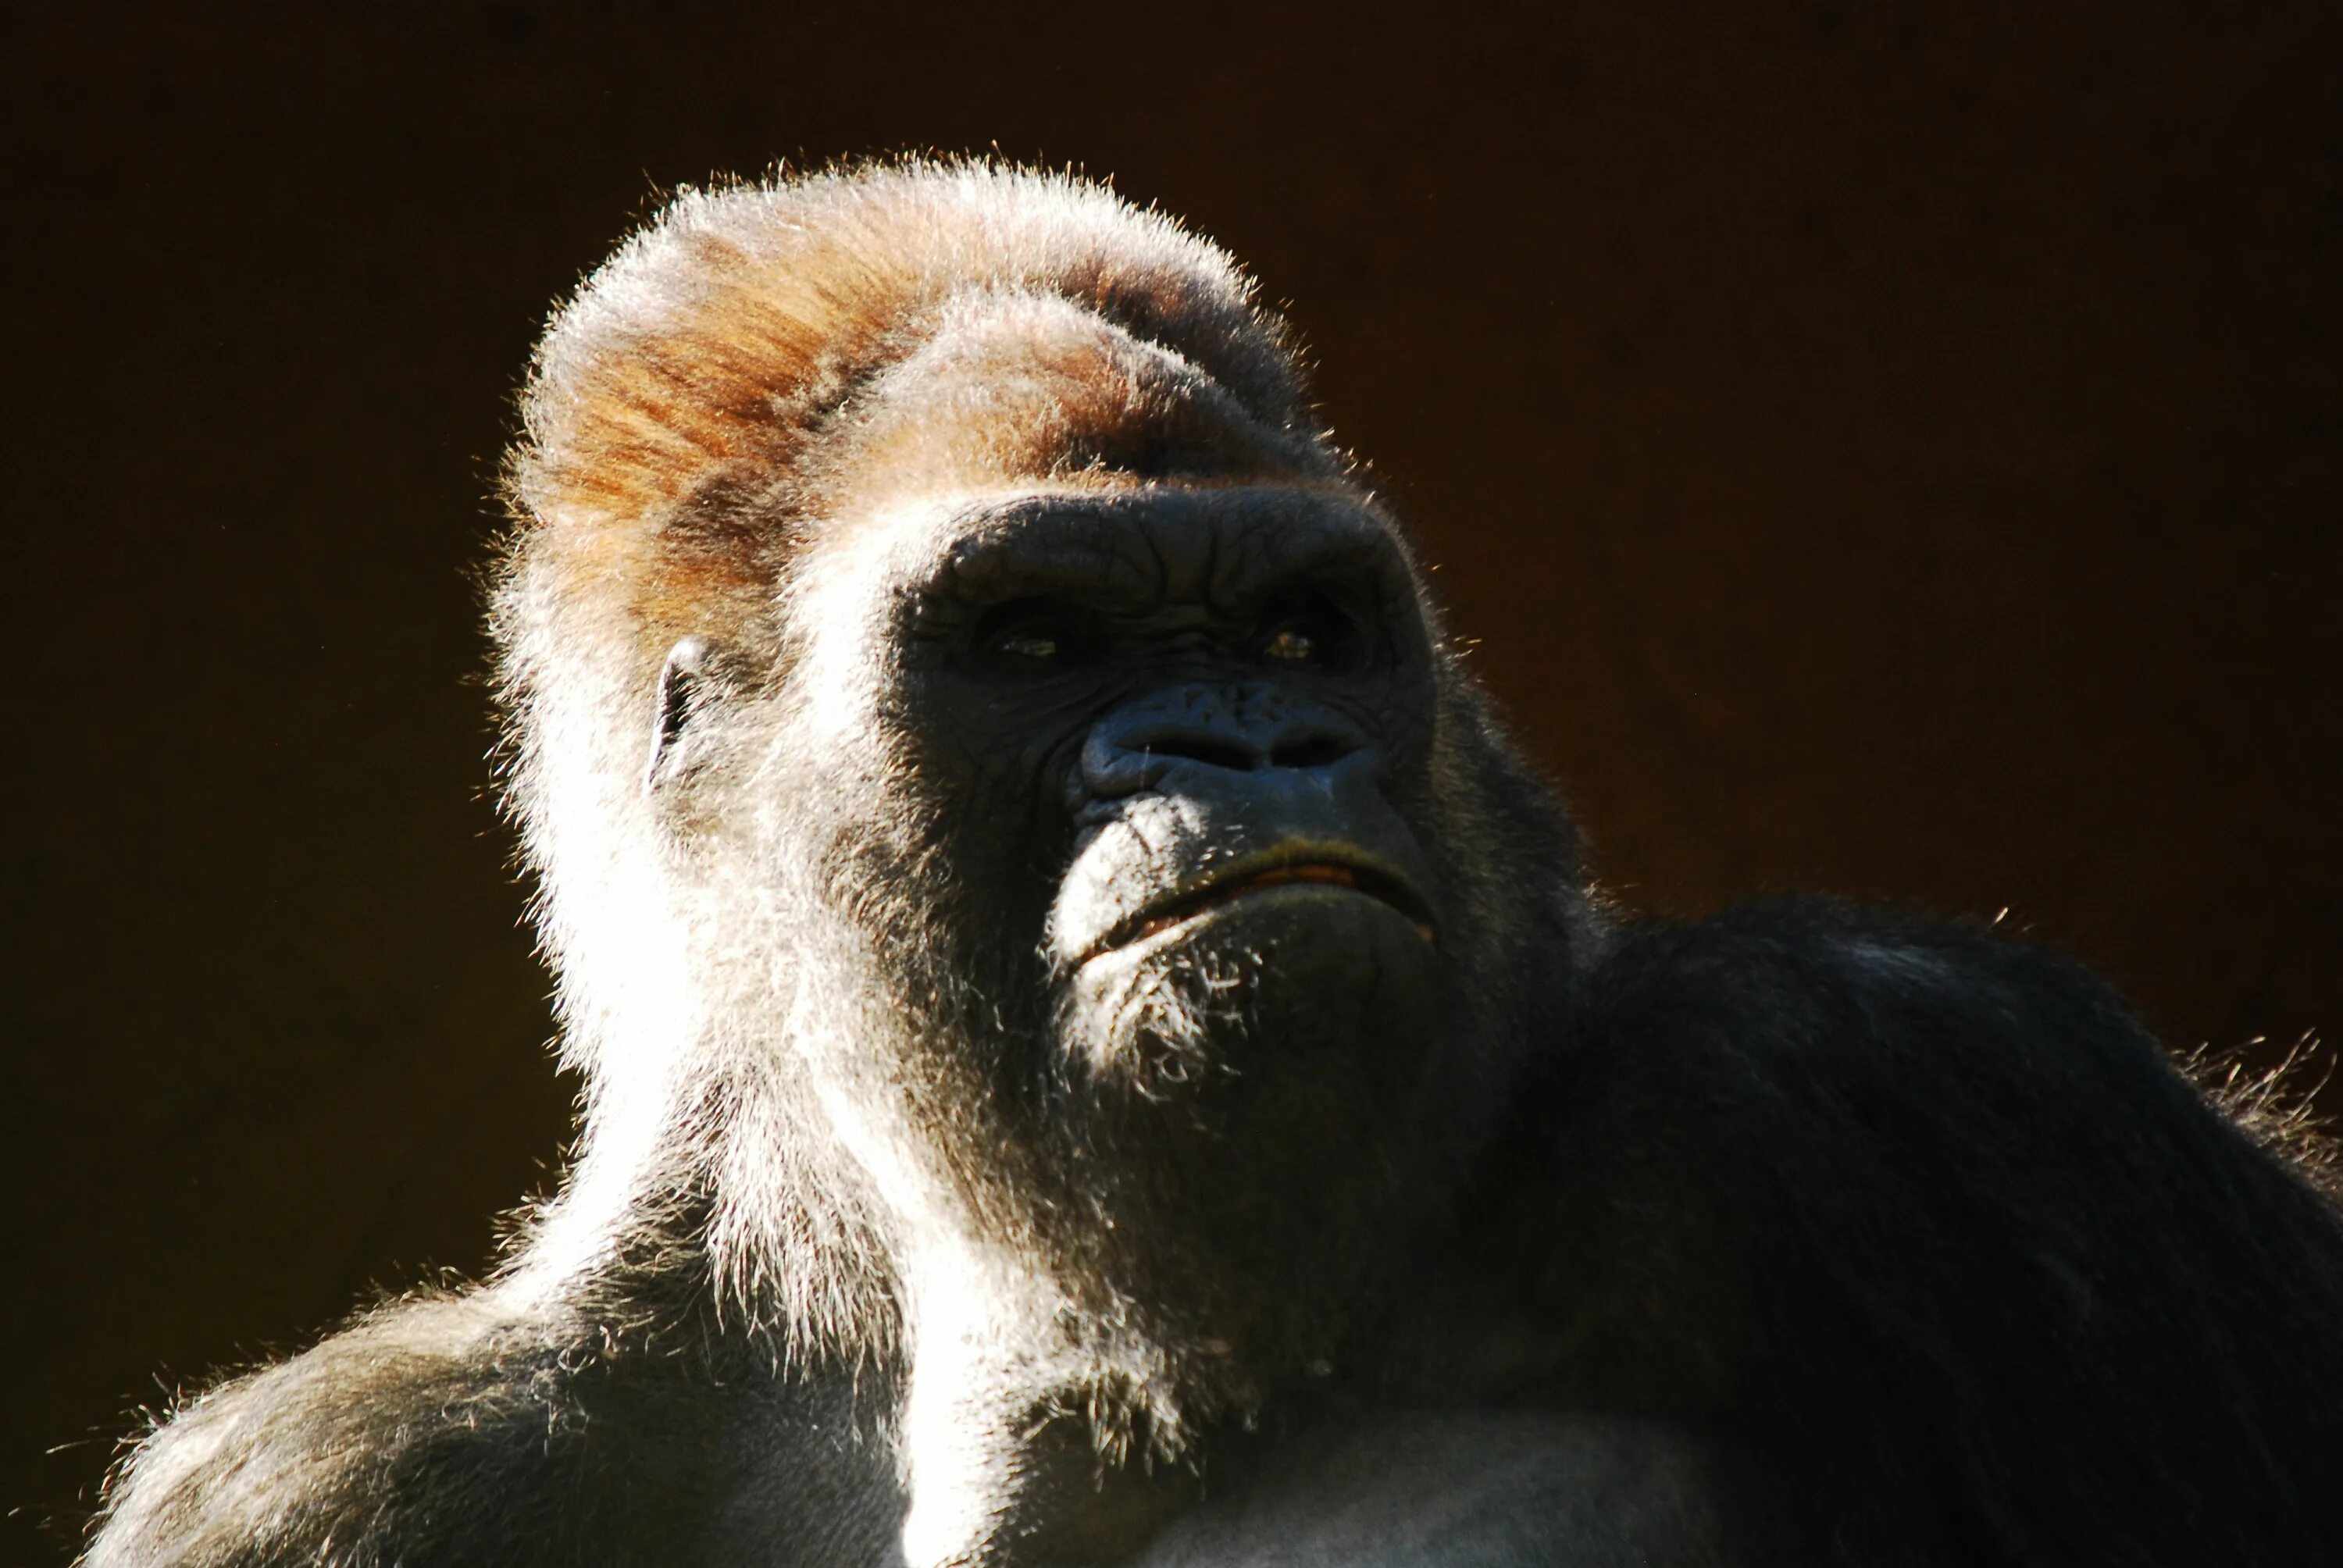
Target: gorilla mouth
<point x="1260" y="874"/>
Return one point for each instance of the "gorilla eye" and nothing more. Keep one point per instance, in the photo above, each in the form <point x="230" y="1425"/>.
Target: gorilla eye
<point x="1027" y="645"/>
<point x="1303" y="628"/>
<point x="1030" y="633"/>
<point x="1293" y="644"/>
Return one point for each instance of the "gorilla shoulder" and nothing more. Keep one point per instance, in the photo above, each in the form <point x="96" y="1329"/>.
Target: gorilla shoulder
<point x="453" y="1431"/>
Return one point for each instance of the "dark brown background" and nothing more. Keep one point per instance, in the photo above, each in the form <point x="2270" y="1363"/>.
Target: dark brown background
<point x="1884" y="448"/>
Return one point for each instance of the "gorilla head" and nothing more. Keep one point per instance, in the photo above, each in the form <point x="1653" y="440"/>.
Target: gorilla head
<point x="1069" y="859"/>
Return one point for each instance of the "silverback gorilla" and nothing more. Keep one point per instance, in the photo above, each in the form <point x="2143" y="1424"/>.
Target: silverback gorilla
<point x="1097" y="1052"/>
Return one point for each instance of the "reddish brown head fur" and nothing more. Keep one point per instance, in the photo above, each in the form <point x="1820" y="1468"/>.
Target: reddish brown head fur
<point x="762" y="351"/>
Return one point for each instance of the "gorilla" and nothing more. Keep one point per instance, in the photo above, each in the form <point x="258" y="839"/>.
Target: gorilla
<point x="1097" y="1049"/>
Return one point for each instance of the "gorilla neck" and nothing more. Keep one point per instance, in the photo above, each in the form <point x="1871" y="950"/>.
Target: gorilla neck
<point x="1040" y="1383"/>
<point x="1020" y="1406"/>
<point x="1050" y="1382"/>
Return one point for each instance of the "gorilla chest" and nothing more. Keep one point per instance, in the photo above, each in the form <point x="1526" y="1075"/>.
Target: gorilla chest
<point x="1461" y="1491"/>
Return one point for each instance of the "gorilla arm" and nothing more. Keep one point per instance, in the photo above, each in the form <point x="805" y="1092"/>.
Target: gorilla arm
<point x="1927" y="1237"/>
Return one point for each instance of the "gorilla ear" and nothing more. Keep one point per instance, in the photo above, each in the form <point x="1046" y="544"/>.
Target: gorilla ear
<point x="689" y="681"/>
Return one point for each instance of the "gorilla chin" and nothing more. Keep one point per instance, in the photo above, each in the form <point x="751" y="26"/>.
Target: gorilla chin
<point x="1271" y="962"/>
<point x="1246" y="1089"/>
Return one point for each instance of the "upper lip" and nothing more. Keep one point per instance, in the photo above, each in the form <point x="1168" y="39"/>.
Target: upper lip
<point x="1338" y="865"/>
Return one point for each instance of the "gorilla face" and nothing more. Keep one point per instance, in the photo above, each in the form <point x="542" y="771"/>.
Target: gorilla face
<point x="1211" y="706"/>
<point x="1161" y="760"/>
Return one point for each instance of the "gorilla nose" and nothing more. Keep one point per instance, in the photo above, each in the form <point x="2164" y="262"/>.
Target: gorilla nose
<point x="1236" y="731"/>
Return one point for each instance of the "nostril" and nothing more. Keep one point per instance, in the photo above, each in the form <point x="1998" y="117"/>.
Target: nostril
<point x="1233" y="732"/>
<point x="1204" y="750"/>
<point x="1310" y="751"/>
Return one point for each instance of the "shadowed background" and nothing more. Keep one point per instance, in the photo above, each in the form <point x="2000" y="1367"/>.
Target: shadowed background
<point x="1887" y="449"/>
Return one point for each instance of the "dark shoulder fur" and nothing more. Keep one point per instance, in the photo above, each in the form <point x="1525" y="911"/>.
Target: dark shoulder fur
<point x="1929" y="1230"/>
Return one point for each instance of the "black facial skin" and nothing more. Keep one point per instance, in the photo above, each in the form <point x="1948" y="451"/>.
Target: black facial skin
<point x="1214" y="702"/>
